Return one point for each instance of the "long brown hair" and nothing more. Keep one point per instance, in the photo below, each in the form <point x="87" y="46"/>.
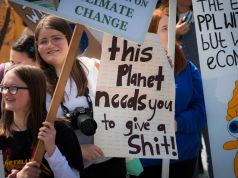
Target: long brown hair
<point x="77" y="73"/>
<point x="35" y="80"/>
<point x="163" y="10"/>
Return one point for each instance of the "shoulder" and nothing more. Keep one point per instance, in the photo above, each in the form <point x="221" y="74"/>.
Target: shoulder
<point x="90" y="63"/>
<point x="190" y="71"/>
<point x="2" y="66"/>
<point x="192" y="66"/>
<point x="90" y="66"/>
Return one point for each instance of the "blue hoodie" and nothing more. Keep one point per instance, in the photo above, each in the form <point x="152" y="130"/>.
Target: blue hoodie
<point x="189" y="113"/>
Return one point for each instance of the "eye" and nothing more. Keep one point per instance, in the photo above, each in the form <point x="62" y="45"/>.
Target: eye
<point x="12" y="62"/>
<point x="42" y="42"/>
<point x="56" y="39"/>
<point x="233" y="127"/>
<point x="13" y="89"/>
<point x="164" y="27"/>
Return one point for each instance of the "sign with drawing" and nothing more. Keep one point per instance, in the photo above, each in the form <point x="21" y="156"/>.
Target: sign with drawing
<point x="134" y="102"/>
<point x="128" y="19"/>
<point x="217" y="38"/>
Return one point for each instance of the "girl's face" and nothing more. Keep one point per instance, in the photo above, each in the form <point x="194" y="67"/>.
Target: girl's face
<point x="53" y="47"/>
<point x="163" y="31"/>
<point x="15" y="93"/>
<point x="20" y="58"/>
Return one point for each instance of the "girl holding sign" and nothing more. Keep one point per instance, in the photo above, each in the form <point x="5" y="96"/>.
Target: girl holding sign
<point x="52" y="37"/>
<point x="190" y="115"/>
<point x="24" y="94"/>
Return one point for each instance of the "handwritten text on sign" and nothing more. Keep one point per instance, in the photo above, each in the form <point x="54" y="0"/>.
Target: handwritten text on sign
<point x="216" y="28"/>
<point x="134" y="104"/>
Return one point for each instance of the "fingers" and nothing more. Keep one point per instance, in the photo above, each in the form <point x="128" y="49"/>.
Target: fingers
<point x="48" y="125"/>
<point x="99" y="151"/>
<point x="47" y="130"/>
<point x="91" y="152"/>
<point x="33" y="164"/>
<point x="30" y="170"/>
<point x="182" y="28"/>
<point x="47" y="134"/>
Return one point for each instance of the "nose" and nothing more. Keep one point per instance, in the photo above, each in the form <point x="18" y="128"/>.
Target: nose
<point x="49" y="43"/>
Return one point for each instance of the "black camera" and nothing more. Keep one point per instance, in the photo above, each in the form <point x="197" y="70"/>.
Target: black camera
<point x="82" y="118"/>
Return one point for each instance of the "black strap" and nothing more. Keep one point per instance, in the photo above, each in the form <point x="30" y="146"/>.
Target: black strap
<point x="89" y="99"/>
<point x="5" y="25"/>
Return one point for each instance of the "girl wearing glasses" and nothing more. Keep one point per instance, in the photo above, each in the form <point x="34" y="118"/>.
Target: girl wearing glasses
<point x="22" y="52"/>
<point x="52" y="36"/>
<point x="23" y="124"/>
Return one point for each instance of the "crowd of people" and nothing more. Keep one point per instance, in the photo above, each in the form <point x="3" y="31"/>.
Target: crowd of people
<point x="29" y="79"/>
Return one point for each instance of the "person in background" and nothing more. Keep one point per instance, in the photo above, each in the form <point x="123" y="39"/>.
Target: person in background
<point x="185" y="31"/>
<point x="186" y="35"/>
<point x="23" y="123"/>
<point x="22" y="52"/>
<point x="190" y="115"/>
<point x="11" y="27"/>
<point x="52" y="36"/>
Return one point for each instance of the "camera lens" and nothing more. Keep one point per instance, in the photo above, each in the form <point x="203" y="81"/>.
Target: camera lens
<point x="87" y="124"/>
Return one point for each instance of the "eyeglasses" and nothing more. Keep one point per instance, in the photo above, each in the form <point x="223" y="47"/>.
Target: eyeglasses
<point x="11" y="89"/>
<point x="55" y="40"/>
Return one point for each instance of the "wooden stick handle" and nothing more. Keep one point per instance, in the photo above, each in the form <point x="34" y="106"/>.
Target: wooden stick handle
<point x="60" y="87"/>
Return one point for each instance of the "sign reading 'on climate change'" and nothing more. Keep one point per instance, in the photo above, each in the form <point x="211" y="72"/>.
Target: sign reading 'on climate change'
<point x="125" y="18"/>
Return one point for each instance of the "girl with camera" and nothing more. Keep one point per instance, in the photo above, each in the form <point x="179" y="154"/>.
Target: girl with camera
<point x="52" y="37"/>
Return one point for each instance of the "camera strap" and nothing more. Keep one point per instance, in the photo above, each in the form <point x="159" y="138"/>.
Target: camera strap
<point x="66" y="110"/>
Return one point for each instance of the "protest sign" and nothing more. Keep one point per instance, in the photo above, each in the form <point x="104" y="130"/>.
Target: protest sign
<point x="217" y="39"/>
<point x="128" y="19"/>
<point x="216" y="27"/>
<point x="134" y="102"/>
<point x="88" y="43"/>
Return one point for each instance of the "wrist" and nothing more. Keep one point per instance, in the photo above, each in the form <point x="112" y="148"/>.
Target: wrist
<point x="51" y="151"/>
